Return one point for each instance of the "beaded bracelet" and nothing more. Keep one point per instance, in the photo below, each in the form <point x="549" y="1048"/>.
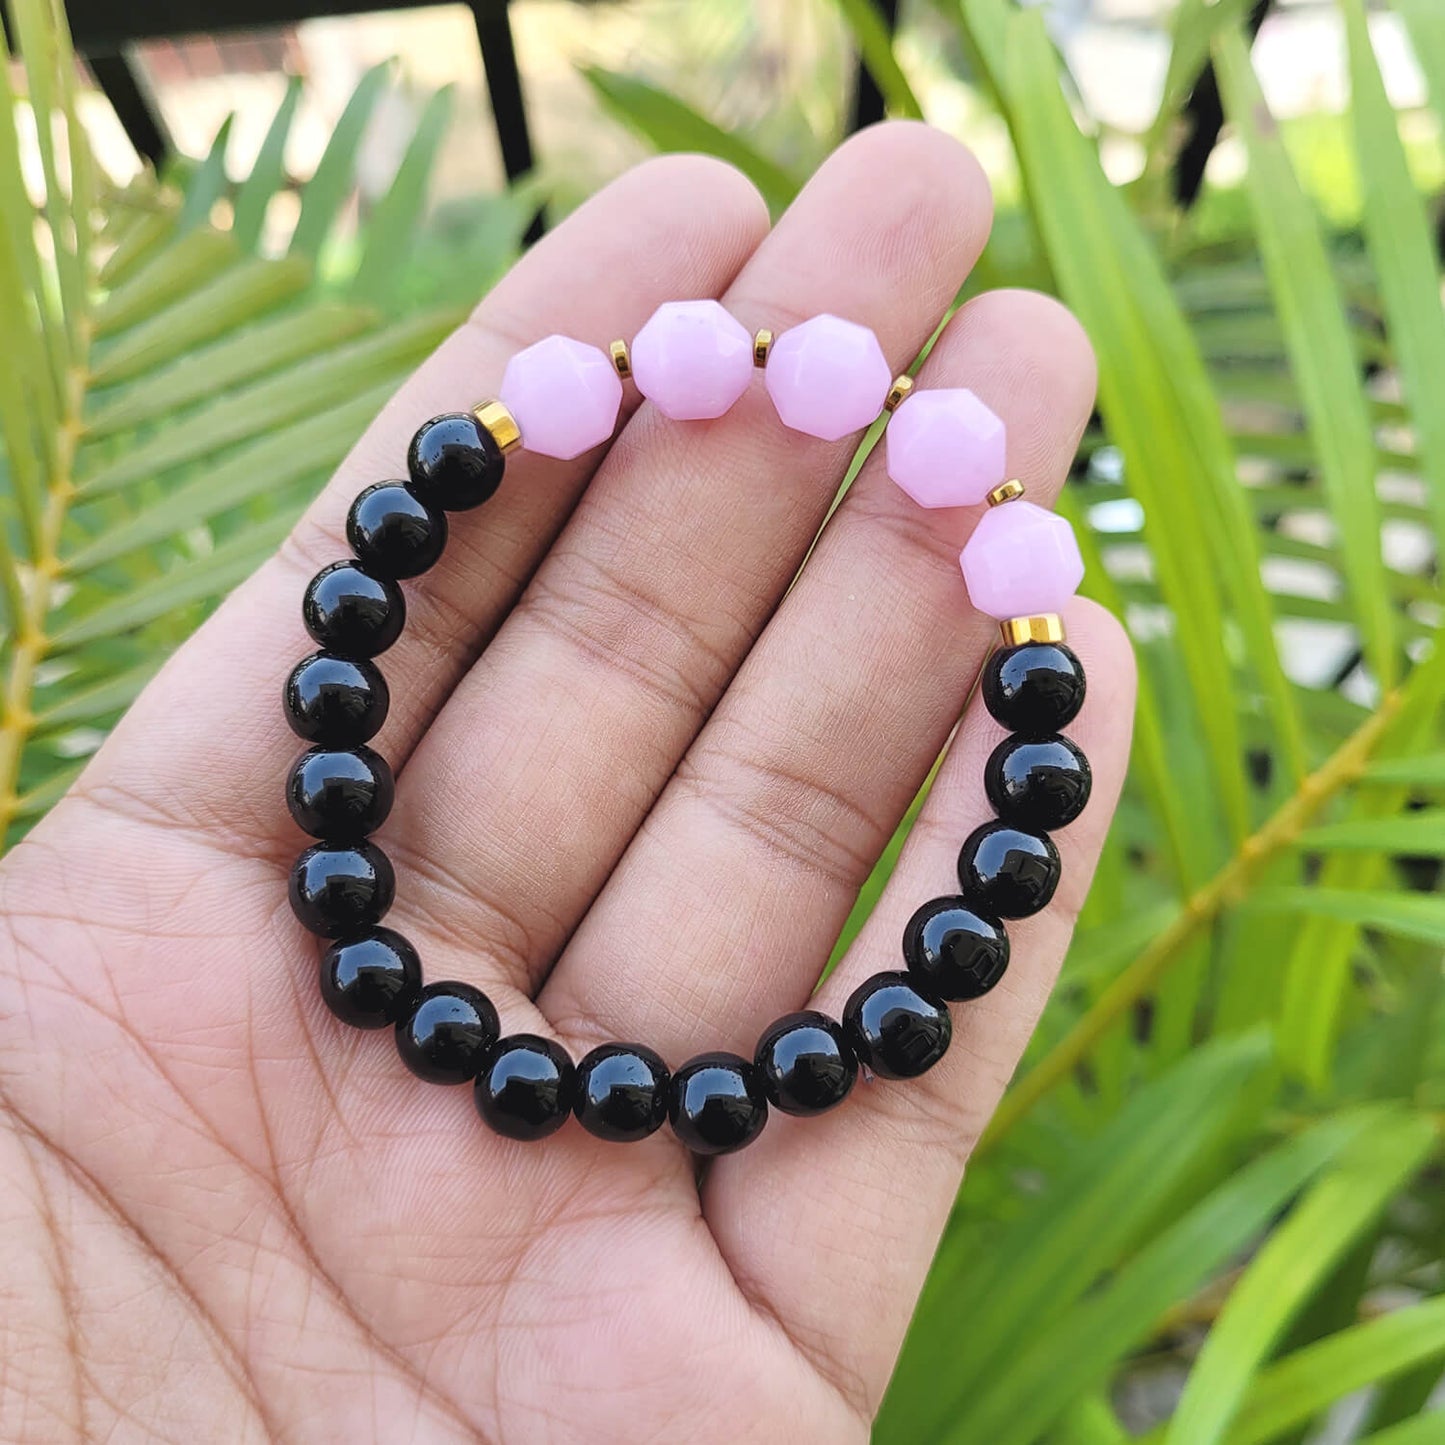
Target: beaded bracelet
<point x="692" y="360"/>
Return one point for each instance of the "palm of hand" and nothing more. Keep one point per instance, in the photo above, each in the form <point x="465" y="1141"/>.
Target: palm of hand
<point x="232" y="1218"/>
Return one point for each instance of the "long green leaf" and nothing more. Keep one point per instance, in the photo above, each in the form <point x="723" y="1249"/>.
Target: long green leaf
<point x="1317" y="974"/>
<point x="1411" y="915"/>
<point x="330" y="187"/>
<point x="268" y="174"/>
<point x="259" y="350"/>
<point x="1281" y="1278"/>
<point x="392" y="228"/>
<point x="1426" y="770"/>
<point x="1049" y="1255"/>
<point x="93" y="703"/>
<point x="202" y="578"/>
<point x="173" y="273"/>
<point x="1071" y="1351"/>
<point x="281" y="459"/>
<point x="239" y="294"/>
<point x="208" y="184"/>
<point x="1291" y="1393"/>
<point x="1323" y="359"/>
<point x="1420" y="834"/>
<point x="1425" y="21"/>
<point x="1404" y="254"/>
<point x="1428" y="1429"/>
<point x="154" y="227"/>
<point x="875" y="45"/>
<point x="44" y="796"/>
<point x="1159" y="410"/>
<point x="50" y="89"/>
<point x="314" y="385"/>
<point x="673" y="126"/>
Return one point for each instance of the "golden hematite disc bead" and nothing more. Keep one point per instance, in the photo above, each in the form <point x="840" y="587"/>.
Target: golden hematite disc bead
<point x="1047" y="627"/>
<point x="762" y="345"/>
<point x="621" y="359"/>
<point x="500" y="422"/>
<point x="1007" y="491"/>
<point x="898" y="393"/>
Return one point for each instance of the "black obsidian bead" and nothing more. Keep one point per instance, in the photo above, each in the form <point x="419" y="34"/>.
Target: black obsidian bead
<point x="525" y="1087"/>
<point x="455" y="462"/>
<point x="717" y="1104"/>
<point x="335" y="702"/>
<point x="351" y="613"/>
<point x="954" y="952"/>
<point x="371" y="981"/>
<point x="1008" y="872"/>
<point x="805" y="1063"/>
<point x="445" y="1036"/>
<point x="338" y="891"/>
<point x="1035" y="688"/>
<point x="1037" y="783"/>
<point x="621" y="1092"/>
<point x="394" y="533"/>
<point x="340" y="796"/>
<point x="896" y="1028"/>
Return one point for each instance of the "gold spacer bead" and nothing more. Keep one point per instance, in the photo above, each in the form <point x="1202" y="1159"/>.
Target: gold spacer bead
<point x="898" y="393"/>
<point x="1006" y="492"/>
<point x="621" y="359"/>
<point x="762" y="345"/>
<point x="1047" y="628"/>
<point x="500" y="422"/>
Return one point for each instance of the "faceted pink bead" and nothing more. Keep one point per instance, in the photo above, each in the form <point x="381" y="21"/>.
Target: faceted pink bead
<point x="692" y="360"/>
<point x="1021" y="561"/>
<point x="945" y="448"/>
<point x="828" y="377"/>
<point x="564" y="396"/>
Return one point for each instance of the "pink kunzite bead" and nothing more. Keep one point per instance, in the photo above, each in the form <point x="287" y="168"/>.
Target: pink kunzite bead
<point x="1021" y="561"/>
<point x="692" y="360"/>
<point x="945" y="448"/>
<point x="564" y="396"/>
<point x="828" y="377"/>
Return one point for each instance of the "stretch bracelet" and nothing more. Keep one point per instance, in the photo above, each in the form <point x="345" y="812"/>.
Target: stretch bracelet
<point x="692" y="360"/>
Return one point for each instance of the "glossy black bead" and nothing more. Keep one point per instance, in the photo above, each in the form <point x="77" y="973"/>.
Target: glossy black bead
<point x="954" y="952"/>
<point x="716" y="1103"/>
<point x="339" y="891"/>
<point x="1035" y="688"/>
<point x="371" y="981"/>
<point x="1008" y="872"/>
<point x="525" y="1087"/>
<point x="621" y="1092"/>
<point x="444" y="1038"/>
<point x="393" y="532"/>
<point x="454" y="462"/>
<point x="335" y="702"/>
<point x="805" y="1063"/>
<point x="1038" y="783"/>
<point x="340" y="796"/>
<point x="896" y="1028"/>
<point x="350" y="612"/>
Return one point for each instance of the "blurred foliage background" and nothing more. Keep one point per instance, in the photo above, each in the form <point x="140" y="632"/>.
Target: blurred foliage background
<point x="1210" y="1209"/>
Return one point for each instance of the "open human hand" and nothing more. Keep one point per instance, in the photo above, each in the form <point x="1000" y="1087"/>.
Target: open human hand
<point x="641" y="778"/>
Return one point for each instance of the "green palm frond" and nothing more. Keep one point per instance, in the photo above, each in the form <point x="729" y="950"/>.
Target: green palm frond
<point x="172" y="392"/>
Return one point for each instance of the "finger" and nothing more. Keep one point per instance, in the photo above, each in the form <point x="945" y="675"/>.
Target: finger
<point x="783" y="805"/>
<point x="870" y="1184"/>
<point x="574" y="718"/>
<point x="681" y="225"/>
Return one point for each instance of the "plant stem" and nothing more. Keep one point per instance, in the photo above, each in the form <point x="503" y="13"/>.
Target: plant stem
<point x="1227" y="887"/>
<point x="16" y="716"/>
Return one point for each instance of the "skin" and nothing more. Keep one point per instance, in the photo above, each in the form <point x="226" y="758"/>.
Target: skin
<point x="642" y="812"/>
